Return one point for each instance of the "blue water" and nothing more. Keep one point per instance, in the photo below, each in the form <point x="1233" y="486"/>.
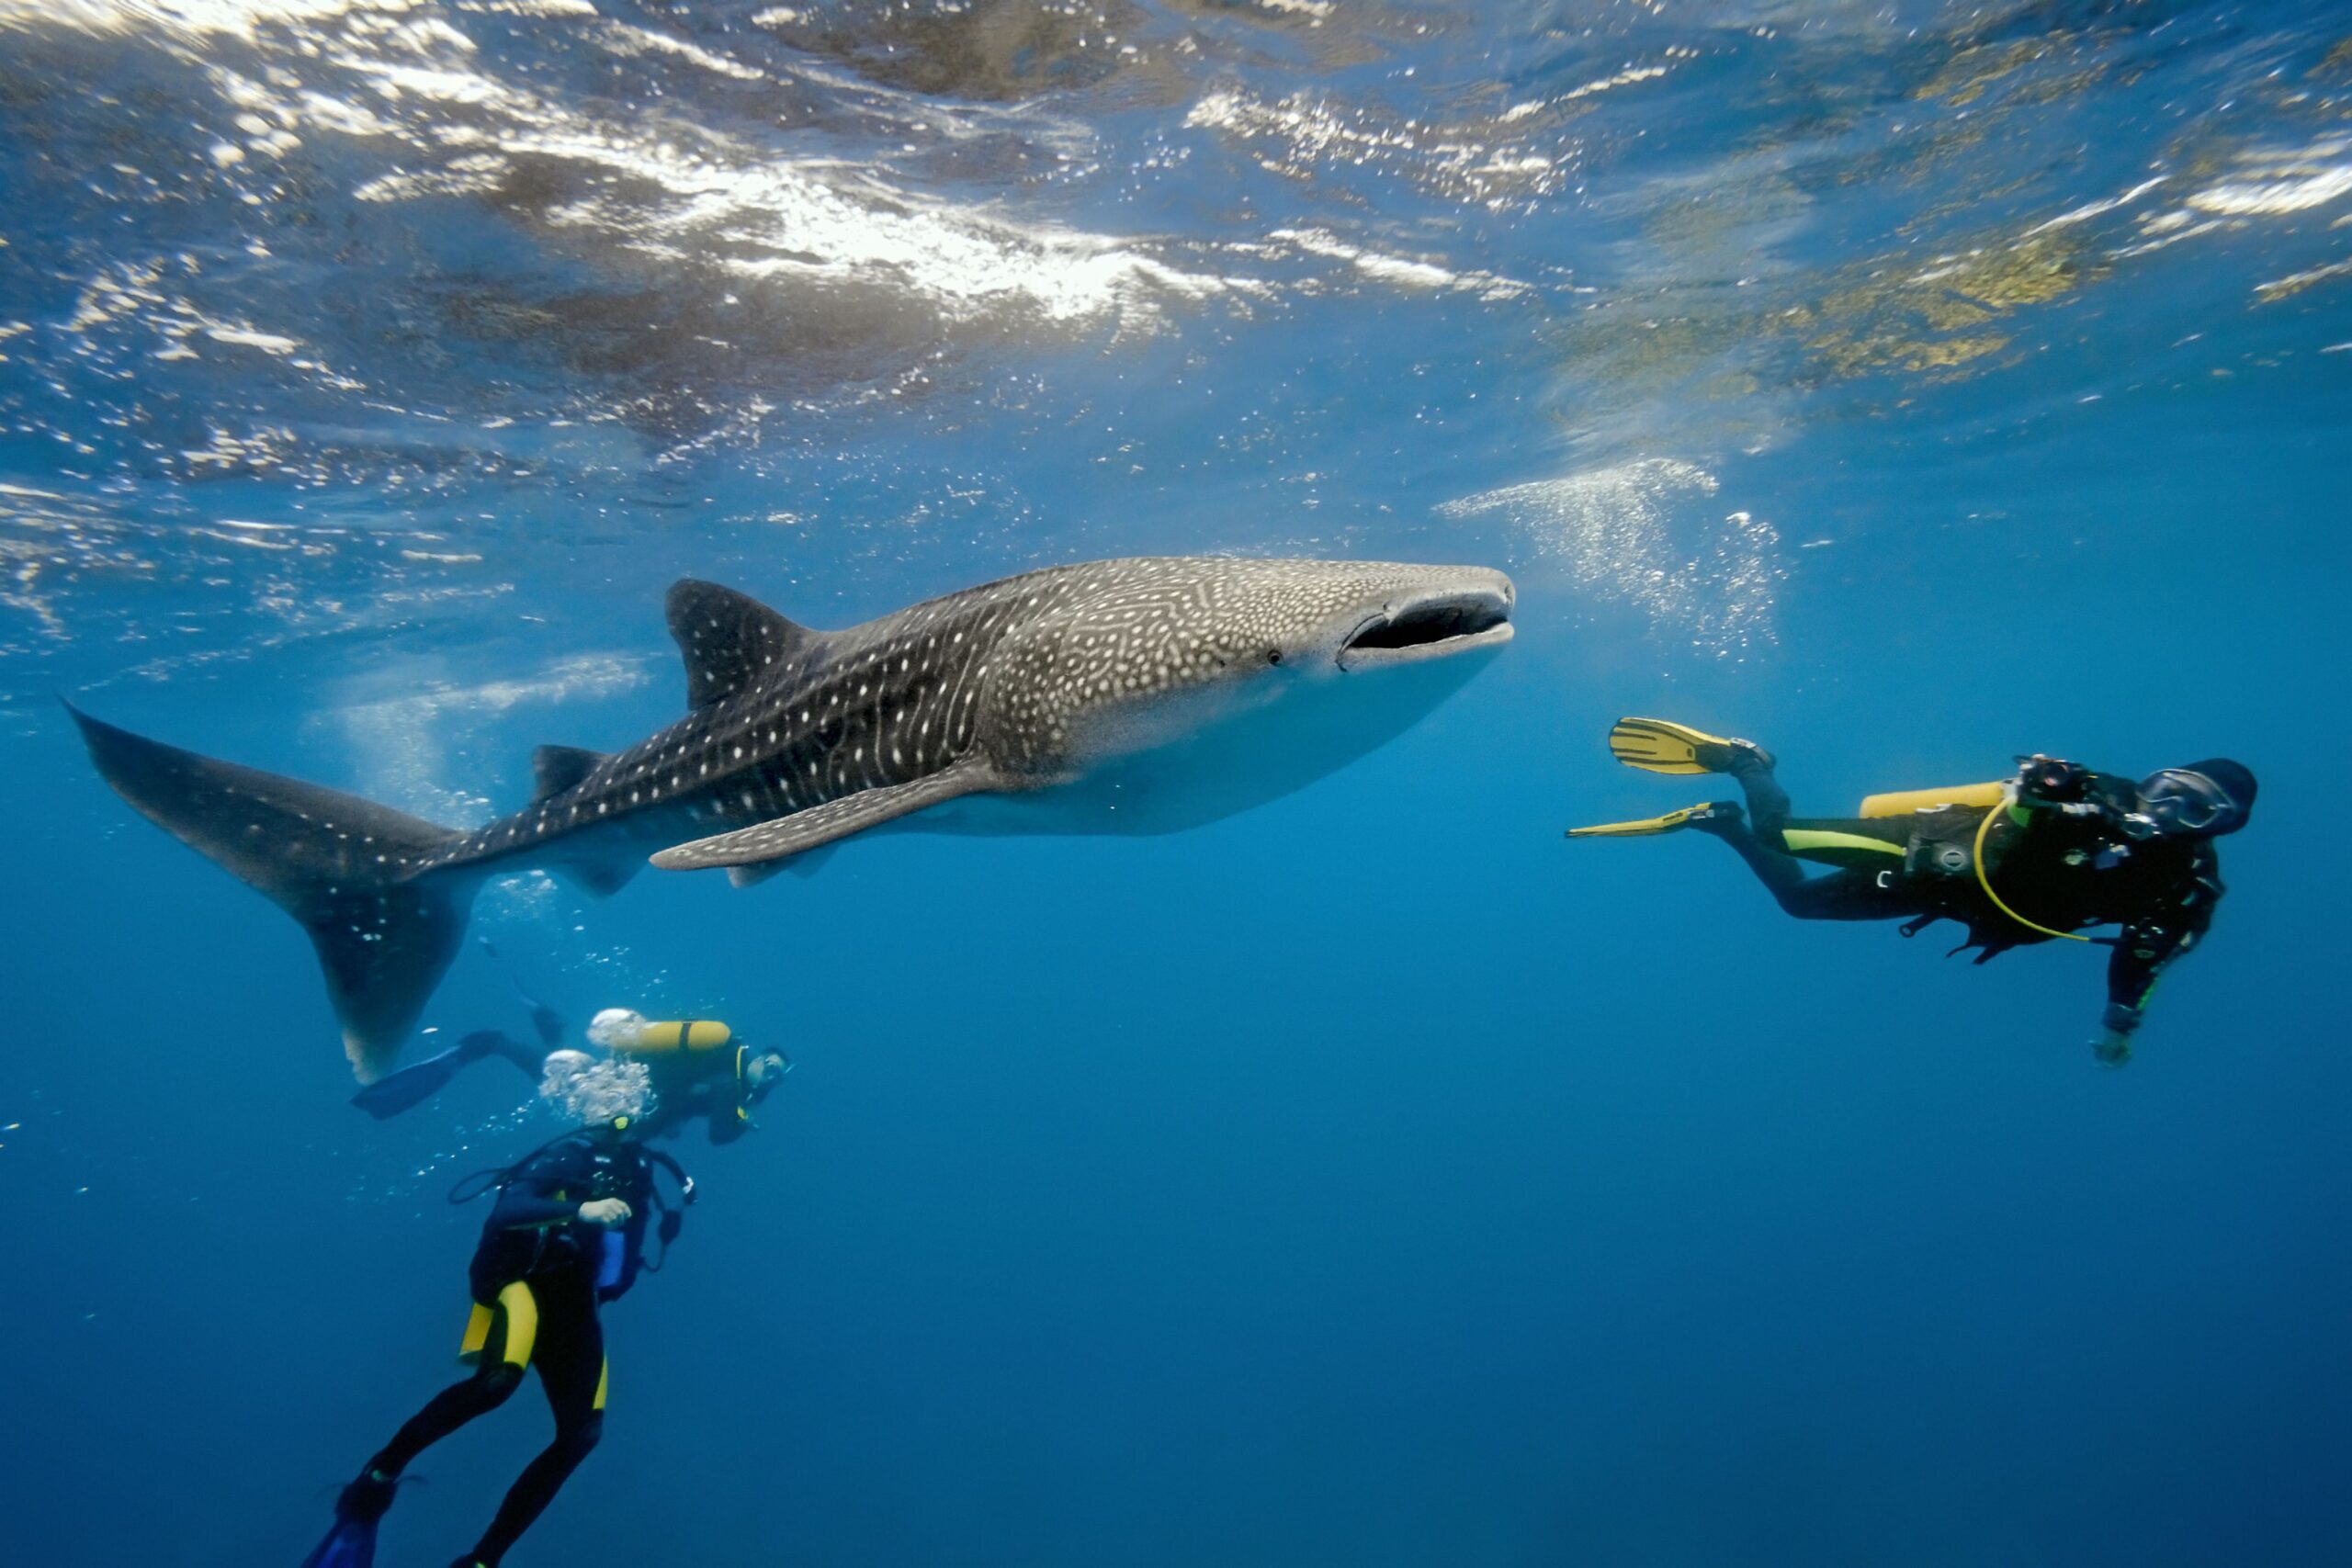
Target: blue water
<point x="1372" y="1179"/>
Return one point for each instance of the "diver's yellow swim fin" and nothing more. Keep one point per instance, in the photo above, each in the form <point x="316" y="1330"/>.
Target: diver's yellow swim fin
<point x="1673" y="821"/>
<point x="1661" y="746"/>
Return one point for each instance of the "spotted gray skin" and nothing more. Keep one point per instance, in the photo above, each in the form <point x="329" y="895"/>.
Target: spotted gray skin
<point x="1025" y="690"/>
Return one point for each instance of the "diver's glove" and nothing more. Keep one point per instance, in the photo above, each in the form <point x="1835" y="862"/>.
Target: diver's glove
<point x="2113" y="1048"/>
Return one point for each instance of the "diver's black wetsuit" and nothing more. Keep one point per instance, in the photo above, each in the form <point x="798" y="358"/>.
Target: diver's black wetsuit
<point x="535" y="1275"/>
<point x="2061" y="865"/>
<point x="686" y="1087"/>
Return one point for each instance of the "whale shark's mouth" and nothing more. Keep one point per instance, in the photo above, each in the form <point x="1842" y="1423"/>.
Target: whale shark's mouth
<point x="1435" y="627"/>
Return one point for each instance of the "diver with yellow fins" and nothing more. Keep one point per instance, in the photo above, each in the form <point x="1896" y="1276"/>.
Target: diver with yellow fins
<point x="2037" y="857"/>
<point x="566" y="1236"/>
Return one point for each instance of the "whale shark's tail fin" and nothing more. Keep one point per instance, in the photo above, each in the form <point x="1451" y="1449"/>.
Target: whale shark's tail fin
<point x="386" y="920"/>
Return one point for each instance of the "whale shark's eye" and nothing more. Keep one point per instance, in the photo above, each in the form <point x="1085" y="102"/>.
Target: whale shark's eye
<point x="1274" y="655"/>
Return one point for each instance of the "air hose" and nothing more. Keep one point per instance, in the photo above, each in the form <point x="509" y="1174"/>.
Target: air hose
<point x="2009" y="798"/>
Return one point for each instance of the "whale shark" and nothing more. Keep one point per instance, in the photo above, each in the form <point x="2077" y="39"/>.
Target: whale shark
<point x="1142" y="695"/>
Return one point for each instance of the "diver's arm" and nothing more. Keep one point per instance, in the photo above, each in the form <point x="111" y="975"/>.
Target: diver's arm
<point x="520" y="1211"/>
<point x="532" y="1200"/>
<point x="526" y="1206"/>
<point x="2147" y="946"/>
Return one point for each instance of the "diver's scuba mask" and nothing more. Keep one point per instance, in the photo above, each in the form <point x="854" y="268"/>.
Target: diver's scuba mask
<point x="2177" y="802"/>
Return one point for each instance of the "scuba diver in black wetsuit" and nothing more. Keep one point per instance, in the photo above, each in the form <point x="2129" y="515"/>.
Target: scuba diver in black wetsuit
<point x="566" y="1236"/>
<point x="701" y="1068"/>
<point x="2030" y="859"/>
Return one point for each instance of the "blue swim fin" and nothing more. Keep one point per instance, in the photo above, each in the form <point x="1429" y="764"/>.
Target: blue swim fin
<point x="419" y="1081"/>
<point x="352" y="1543"/>
<point x="412" y="1085"/>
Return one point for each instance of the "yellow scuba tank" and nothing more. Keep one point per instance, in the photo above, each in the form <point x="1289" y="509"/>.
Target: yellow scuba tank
<point x="662" y="1037"/>
<point x="1903" y="802"/>
<point x="626" y="1034"/>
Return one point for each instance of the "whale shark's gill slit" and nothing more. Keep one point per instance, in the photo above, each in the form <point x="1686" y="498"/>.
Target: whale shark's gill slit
<point x="1440" y="621"/>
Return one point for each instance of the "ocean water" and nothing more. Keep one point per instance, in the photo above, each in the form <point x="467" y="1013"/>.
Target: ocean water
<point x="1372" y="1179"/>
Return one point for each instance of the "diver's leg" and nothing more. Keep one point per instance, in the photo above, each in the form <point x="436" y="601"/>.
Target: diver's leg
<point x="1782" y="875"/>
<point x="481" y="1042"/>
<point x="1769" y="841"/>
<point x="1847" y="894"/>
<point x="1768" y="803"/>
<point x="513" y="1337"/>
<point x="1757" y="839"/>
<point x="1843" y="895"/>
<point x="571" y="1370"/>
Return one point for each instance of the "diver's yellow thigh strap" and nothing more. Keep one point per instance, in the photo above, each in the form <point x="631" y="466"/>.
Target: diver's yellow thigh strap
<point x="604" y="1376"/>
<point x="522" y="1323"/>
<point x="522" y="1310"/>
<point x="1800" y="839"/>
<point x="477" y="1338"/>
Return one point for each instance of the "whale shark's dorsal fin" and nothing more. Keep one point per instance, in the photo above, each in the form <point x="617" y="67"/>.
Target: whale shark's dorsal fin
<point x="763" y="844"/>
<point x="555" y="768"/>
<point x="731" y="639"/>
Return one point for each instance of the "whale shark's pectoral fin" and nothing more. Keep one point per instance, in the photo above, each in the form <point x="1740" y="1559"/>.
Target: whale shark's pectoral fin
<point x="807" y="862"/>
<point x="834" y="820"/>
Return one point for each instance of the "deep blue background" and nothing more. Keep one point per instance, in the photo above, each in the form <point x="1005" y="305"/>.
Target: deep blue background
<point x="1375" y="1178"/>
